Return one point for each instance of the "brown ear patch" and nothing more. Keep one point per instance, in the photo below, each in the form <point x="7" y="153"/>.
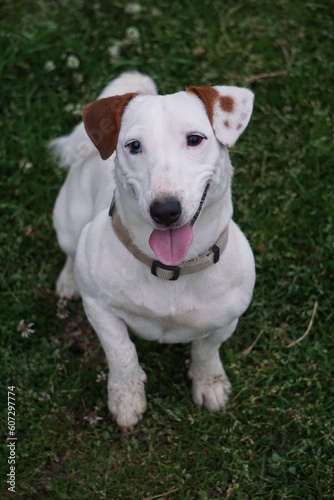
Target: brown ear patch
<point x="102" y="120"/>
<point x="226" y="103"/>
<point x="208" y="96"/>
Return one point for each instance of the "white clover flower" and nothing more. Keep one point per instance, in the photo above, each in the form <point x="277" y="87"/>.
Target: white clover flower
<point x="25" y="164"/>
<point x="132" y="8"/>
<point x="26" y="330"/>
<point x="93" y="418"/>
<point x="72" y="62"/>
<point x="69" y="107"/>
<point x="74" y="109"/>
<point x="49" y="66"/>
<point x="156" y="12"/>
<point x="43" y="396"/>
<point x="114" y="50"/>
<point x="100" y="377"/>
<point x="77" y="111"/>
<point x="133" y="34"/>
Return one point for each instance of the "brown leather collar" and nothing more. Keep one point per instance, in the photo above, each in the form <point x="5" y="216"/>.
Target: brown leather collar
<point x="160" y="270"/>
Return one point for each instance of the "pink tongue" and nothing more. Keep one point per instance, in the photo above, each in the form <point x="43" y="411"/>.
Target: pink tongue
<point x="171" y="245"/>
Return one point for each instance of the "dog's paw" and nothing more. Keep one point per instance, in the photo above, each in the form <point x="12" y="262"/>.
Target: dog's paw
<point x="211" y="394"/>
<point x="127" y="403"/>
<point x="66" y="287"/>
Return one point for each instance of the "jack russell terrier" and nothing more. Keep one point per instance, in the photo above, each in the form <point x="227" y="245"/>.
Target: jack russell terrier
<point x="145" y="219"/>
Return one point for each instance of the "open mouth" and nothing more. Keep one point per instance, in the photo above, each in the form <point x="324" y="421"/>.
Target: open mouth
<point x="171" y="245"/>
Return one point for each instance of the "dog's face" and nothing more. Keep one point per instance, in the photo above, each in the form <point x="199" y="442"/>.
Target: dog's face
<point x="170" y="153"/>
<point x="167" y="154"/>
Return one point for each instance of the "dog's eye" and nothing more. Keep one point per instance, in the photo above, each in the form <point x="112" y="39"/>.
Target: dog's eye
<point x="134" y="147"/>
<point x="194" y="139"/>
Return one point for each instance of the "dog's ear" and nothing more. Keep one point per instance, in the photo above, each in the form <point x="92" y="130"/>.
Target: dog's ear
<point x="229" y="110"/>
<point x="102" y="120"/>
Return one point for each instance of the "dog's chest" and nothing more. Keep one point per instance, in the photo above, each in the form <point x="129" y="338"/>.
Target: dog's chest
<point x="170" y="317"/>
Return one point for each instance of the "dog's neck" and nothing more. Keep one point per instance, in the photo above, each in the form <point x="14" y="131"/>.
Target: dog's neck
<point x="160" y="270"/>
<point x="212" y="221"/>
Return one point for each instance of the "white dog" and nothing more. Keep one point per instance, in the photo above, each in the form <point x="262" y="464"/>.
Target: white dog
<point x="166" y="260"/>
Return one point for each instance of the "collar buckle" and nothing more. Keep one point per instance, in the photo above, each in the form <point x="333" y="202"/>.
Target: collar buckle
<point x="170" y="273"/>
<point x="216" y="253"/>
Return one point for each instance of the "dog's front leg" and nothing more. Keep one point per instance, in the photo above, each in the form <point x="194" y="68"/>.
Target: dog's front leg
<point x="126" y="393"/>
<point x="210" y="385"/>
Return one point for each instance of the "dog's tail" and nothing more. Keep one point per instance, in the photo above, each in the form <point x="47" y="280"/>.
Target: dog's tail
<point x="131" y="81"/>
<point x="74" y="148"/>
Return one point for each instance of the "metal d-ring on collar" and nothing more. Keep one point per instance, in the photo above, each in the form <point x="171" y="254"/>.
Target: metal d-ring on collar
<point x="162" y="271"/>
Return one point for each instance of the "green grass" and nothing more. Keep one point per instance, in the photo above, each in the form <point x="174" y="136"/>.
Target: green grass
<point x="275" y="439"/>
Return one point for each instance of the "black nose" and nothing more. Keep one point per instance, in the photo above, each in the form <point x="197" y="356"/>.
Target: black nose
<point x="166" y="211"/>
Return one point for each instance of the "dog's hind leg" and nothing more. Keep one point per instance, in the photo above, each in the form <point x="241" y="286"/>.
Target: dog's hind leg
<point x="65" y="285"/>
<point x="73" y="210"/>
<point x="210" y="385"/>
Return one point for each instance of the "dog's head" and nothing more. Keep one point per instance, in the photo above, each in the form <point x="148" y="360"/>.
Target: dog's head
<point x="171" y="151"/>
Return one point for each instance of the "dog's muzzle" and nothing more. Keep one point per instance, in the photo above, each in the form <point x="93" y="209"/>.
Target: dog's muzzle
<point x="172" y="242"/>
<point x="158" y="268"/>
<point x="167" y="211"/>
